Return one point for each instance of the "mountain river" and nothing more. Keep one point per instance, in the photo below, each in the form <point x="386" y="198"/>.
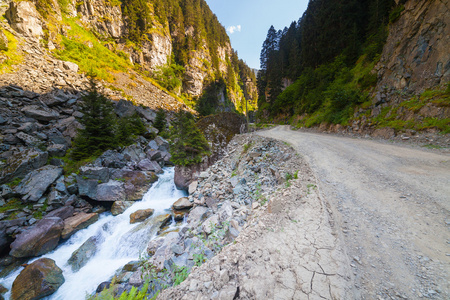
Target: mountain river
<point x="119" y="242"/>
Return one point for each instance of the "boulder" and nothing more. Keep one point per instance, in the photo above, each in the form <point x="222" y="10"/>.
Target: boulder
<point x="97" y="173"/>
<point x="125" y="108"/>
<point x="28" y="139"/>
<point x="57" y="150"/>
<point x="133" y="153"/>
<point x="197" y="215"/>
<point x="385" y="133"/>
<point x="4" y="240"/>
<point x="192" y="187"/>
<point x="20" y="164"/>
<point x="111" y="191"/>
<point x="141" y="215"/>
<point x="39" y="279"/>
<point x="78" y="222"/>
<point x="81" y="256"/>
<point x="136" y="183"/>
<point x="119" y="207"/>
<point x="34" y="185"/>
<point x="163" y="145"/>
<point x="87" y="187"/>
<point x="39" y="239"/>
<point x="63" y="212"/>
<point x="24" y="18"/>
<point x="112" y="159"/>
<point x="40" y="113"/>
<point x="182" y="203"/>
<point x="70" y="66"/>
<point x="146" y="113"/>
<point x="148" y="165"/>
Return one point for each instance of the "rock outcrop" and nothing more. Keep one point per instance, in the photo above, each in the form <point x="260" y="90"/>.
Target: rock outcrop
<point x="38" y="280"/>
<point x="415" y="56"/>
<point x="25" y="19"/>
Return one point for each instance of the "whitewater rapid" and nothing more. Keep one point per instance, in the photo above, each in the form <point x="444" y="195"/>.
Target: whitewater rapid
<point x="119" y="243"/>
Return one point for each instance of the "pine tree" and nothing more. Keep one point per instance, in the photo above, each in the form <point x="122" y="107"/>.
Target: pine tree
<point x="100" y="123"/>
<point x="188" y="144"/>
<point x="160" y="121"/>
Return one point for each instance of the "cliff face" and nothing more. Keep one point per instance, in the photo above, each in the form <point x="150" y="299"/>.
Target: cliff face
<point x="112" y="24"/>
<point x="416" y="55"/>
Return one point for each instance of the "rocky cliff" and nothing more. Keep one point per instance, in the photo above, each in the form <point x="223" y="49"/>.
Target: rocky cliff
<point x="150" y="37"/>
<point x="416" y="55"/>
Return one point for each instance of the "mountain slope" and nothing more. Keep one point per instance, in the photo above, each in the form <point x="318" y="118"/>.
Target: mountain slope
<point x="180" y="44"/>
<point x="363" y="64"/>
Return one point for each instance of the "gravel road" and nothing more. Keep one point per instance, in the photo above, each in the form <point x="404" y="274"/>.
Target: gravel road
<point x="390" y="204"/>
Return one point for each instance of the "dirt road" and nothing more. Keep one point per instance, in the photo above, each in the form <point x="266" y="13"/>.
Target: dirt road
<point x="390" y="204"/>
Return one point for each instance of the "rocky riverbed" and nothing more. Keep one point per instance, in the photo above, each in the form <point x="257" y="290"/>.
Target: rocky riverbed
<point x="257" y="228"/>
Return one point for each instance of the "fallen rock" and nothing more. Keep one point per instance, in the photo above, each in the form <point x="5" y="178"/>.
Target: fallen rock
<point x="111" y="191"/>
<point x="20" y="164"/>
<point x="148" y="165"/>
<point x="385" y="133"/>
<point x="40" y="239"/>
<point x="119" y="207"/>
<point x="182" y="203"/>
<point x="81" y="256"/>
<point x="141" y="215"/>
<point x="34" y="185"/>
<point x="40" y="113"/>
<point x="63" y="212"/>
<point x="39" y="279"/>
<point x="78" y="222"/>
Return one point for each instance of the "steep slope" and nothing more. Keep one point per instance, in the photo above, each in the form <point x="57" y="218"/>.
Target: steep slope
<point x="366" y="66"/>
<point x="180" y="44"/>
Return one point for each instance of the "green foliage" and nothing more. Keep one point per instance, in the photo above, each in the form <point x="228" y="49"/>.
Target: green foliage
<point x="170" y="77"/>
<point x="102" y="129"/>
<point x="15" y="182"/>
<point x="9" y="56"/>
<point x="395" y="13"/>
<point x="83" y="48"/>
<point x="160" y="120"/>
<point x="179" y="274"/>
<point x="246" y="147"/>
<point x="188" y="145"/>
<point x="199" y="259"/>
<point x="13" y="203"/>
<point x="133" y="294"/>
<point x="129" y="128"/>
<point x="99" y="121"/>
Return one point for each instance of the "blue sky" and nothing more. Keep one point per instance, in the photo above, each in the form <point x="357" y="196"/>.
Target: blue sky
<point x="247" y="22"/>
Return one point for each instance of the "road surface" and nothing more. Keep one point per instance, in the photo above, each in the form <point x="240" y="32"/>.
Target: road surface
<point x="390" y="204"/>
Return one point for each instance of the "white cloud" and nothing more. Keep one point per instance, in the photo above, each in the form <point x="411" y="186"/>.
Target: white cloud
<point x="233" y="29"/>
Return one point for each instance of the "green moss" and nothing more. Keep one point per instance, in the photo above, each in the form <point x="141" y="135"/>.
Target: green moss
<point x="13" y="203"/>
<point x="15" y="182"/>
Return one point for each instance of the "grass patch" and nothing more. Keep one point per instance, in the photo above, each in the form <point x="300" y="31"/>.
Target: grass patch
<point x="82" y="47"/>
<point x="11" y="56"/>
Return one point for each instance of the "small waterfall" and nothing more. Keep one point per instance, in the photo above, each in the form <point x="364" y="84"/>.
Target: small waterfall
<point x="118" y="243"/>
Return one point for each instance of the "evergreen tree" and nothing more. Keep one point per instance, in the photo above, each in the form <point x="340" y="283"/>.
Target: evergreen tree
<point x="160" y="120"/>
<point x="188" y="145"/>
<point x="100" y="124"/>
